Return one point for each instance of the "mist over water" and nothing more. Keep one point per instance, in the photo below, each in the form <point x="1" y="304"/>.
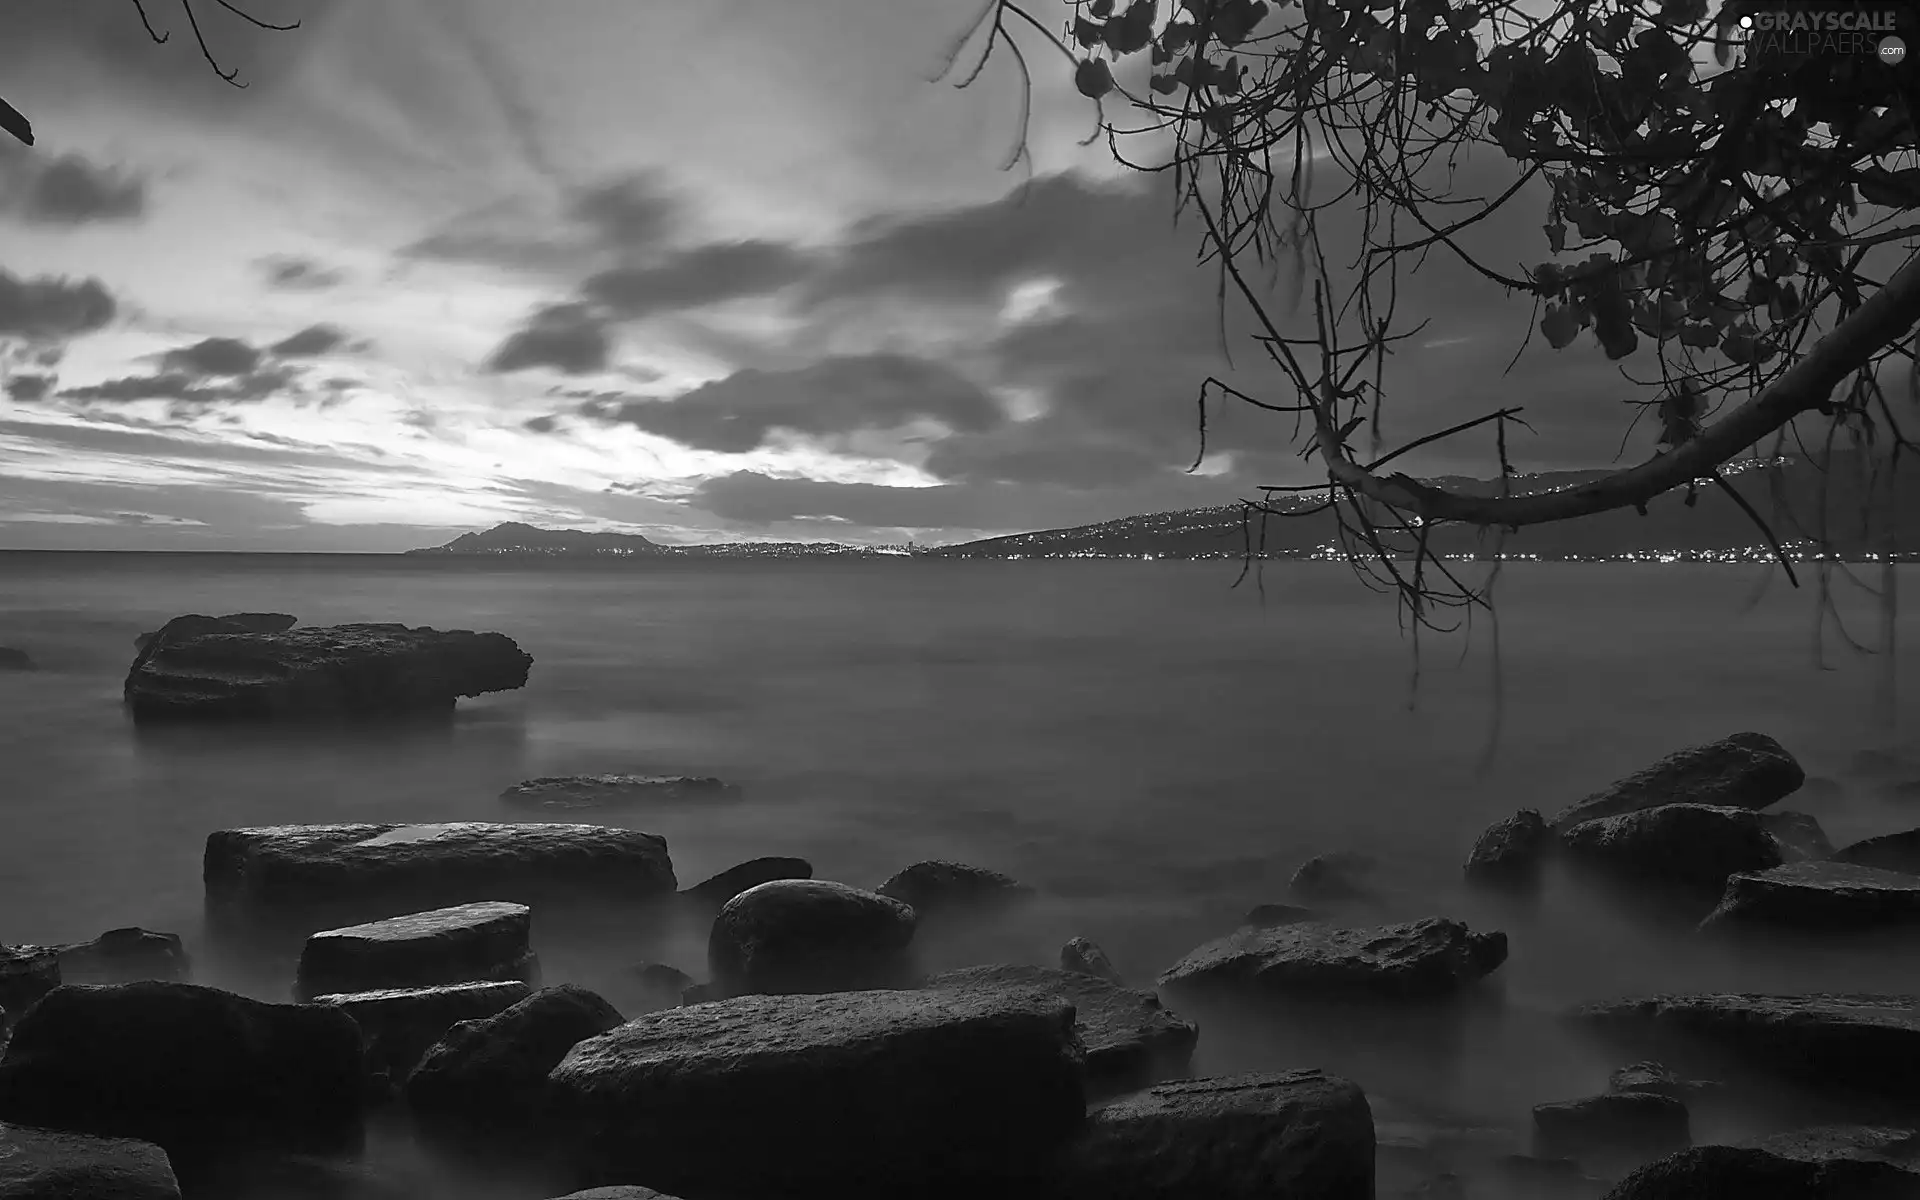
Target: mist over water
<point x="1152" y="749"/>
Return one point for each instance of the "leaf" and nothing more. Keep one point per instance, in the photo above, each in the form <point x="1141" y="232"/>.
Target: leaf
<point x="1560" y="326"/>
<point x="1613" y="325"/>
<point x="1557" y="236"/>
<point x="1087" y="33"/>
<point x="1464" y="18"/>
<point x="1738" y="347"/>
<point x="1893" y="189"/>
<point x="1699" y="337"/>
<point x="1093" y="78"/>
<point x="15" y="122"/>
<point x="1166" y="85"/>
<point x="1101" y="9"/>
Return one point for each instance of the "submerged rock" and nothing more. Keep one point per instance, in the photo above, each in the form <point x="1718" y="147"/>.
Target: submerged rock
<point x="610" y="791"/>
<point x="809" y="935"/>
<point x="1688" y="844"/>
<point x="1832" y="1163"/>
<point x="1511" y="851"/>
<point x="195" y="625"/>
<point x="1888" y="852"/>
<point x="400" y="1024"/>
<point x="1829" y="896"/>
<point x="189" y="671"/>
<point x="124" y="955"/>
<point x="1746" y="770"/>
<point x="1085" y="956"/>
<point x="715" y="892"/>
<point x="15" y="660"/>
<point x="1432" y="957"/>
<point x="26" y="974"/>
<point x="899" y="1092"/>
<point x="45" y="1164"/>
<point x="1641" y="1124"/>
<point x="1336" y="876"/>
<point x="500" y="1063"/>
<point x="465" y="944"/>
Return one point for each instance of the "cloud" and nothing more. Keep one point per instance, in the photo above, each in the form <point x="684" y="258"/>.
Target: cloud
<point x="571" y="338"/>
<point x="631" y="217"/>
<point x="288" y="273"/>
<point x="47" y="308"/>
<point x="67" y="190"/>
<point x="701" y="276"/>
<point x="212" y="356"/>
<point x="541" y="424"/>
<point x="634" y="212"/>
<point x="191" y="389"/>
<point x="28" y="388"/>
<point x="310" y="342"/>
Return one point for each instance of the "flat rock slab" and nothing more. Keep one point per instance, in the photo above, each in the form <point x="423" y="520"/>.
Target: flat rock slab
<point x="1130" y="1038"/>
<point x="713" y="893"/>
<point x="1245" y="1137"/>
<point x="400" y="1024"/>
<point x="1830" y="1163"/>
<point x="499" y="1064"/>
<point x="854" y="1090"/>
<point x="1433" y="957"/>
<point x="43" y="1164"/>
<point x="450" y="863"/>
<point x="809" y="935"/>
<point x="1688" y="844"/>
<point x="1889" y="852"/>
<point x="338" y="670"/>
<point x="1859" y="1042"/>
<point x="614" y="791"/>
<point x="490" y="940"/>
<point x="1828" y="896"/>
<point x="26" y="974"/>
<point x="1746" y="770"/>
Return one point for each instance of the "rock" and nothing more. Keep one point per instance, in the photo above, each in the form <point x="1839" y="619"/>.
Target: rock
<point x="611" y="791"/>
<point x="940" y="887"/>
<point x="702" y="993"/>
<point x="1266" y="916"/>
<point x="466" y="944"/>
<point x="1818" y="895"/>
<point x="665" y="983"/>
<point x="1888" y="852"/>
<point x="194" y="626"/>
<point x="124" y="955"/>
<point x="1798" y="835"/>
<point x="809" y="935"/>
<point x="1130" y="1039"/>
<point x="617" y="1192"/>
<point x="1687" y="844"/>
<point x="44" y="1164"/>
<point x="1746" y="770"/>
<point x="1649" y="1076"/>
<point x="1869" y="1043"/>
<point x="898" y="1090"/>
<point x="396" y="865"/>
<point x="1641" y="1124"/>
<point x="15" y="660"/>
<point x="188" y="671"/>
<point x="26" y="974"/>
<point x="1244" y="1137"/>
<point x="1432" y="957"/>
<point x="1511" y="851"/>
<point x="1085" y="956"/>
<point x="153" y="1059"/>
<point x="501" y="1063"/>
<point x="400" y="1024"/>
<point x="1334" y="876"/>
<point x="715" y="892"/>
<point x="1819" y="1164"/>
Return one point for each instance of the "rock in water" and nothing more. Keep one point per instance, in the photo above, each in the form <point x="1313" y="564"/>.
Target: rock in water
<point x="619" y="1191"/>
<point x="889" y="1092"/>
<point x="1245" y="1137"/>
<point x="124" y="955"/>
<point x="1266" y="916"/>
<point x="1511" y="851"/>
<point x="392" y="866"/>
<point x="712" y="894"/>
<point x="809" y="935"/>
<point x="1746" y="770"/>
<point x="400" y="1024"/>
<point x="15" y="660"/>
<point x="1337" y="876"/>
<point x="43" y="1164"/>
<point x="1830" y="896"/>
<point x="339" y="670"/>
<point x="1688" y="844"/>
<point x="160" y="1059"/>
<point x="465" y="944"/>
<point x="26" y="974"/>
<point x="1830" y="1163"/>
<point x="195" y="625"/>
<point x="1085" y="956"/>
<point x="1433" y="957"/>
<point x="1649" y="1076"/>
<point x="1798" y="834"/>
<point x="1130" y="1039"/>
<point x="500" y="1064"/>
<point x="941" y="887"/>
<point x="1889" y="852"/>
<point x="1640" y="1124"/>
<point x="610" y="791"/>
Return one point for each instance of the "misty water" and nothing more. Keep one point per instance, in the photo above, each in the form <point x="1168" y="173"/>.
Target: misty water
<point x="1153" y="749"/>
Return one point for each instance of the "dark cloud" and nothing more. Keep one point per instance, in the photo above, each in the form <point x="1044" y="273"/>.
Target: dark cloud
<point x="310" y="342"/>
<point x="568" y="337"/>
<point x="636" y="212"/>
<point x="288" y="273"/>
<point x="28" y="388"/>
<point x="47" y="308"/>
<point x="191" y="389"/>
<point x="67" y="190"/>
<point x="541" y="424"/>
<point x="212" y="356"/>
<point x="629" y="218"/>
<point x="704" y="275"/>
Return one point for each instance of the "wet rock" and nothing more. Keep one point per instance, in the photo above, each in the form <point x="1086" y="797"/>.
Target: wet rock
<point x="1640" y="1124"/>
<point x="465" y="944"/>
<point x="1130" y="1039"/>
<point x="44" y="1164"/>
<point x="1818" y="895"/>
<point x="400" y="1024"/>
<point x="26" y="974"/>
<point x="1687" y="844"/>
<point x="1798" y="835"/>
<point x="1511" y="851"/>
<point x="664" y="985"/>
<point x="903" y="1091"/>
<point x="614" y="791"/>
<point x="1242" y="1137"/>
<point x="193" y="626"/>
<point x="155" y="1059"/>
<point x="500" y="1064"/>
<point x="1084" y="955"/>
<point x="1819" y="1164"/>
<point x="1337" y="876"/>
<point x="809" y="935"/>
<point x="1432" y="957"/>
<point x="713" y="893"/>
<point x="1650" y="1076"/>
<point x="124" y="955"/>
<point x="1266" y="916"/>
<point x="1888" y="852"/>
<point x="1746" y="770"/>
<point x="702" y="993"/>
<point x="940" y="887"/>
<point x="429" y="865"/>
<point x="1863" y="1042"/>
<point x="15" y="660"/>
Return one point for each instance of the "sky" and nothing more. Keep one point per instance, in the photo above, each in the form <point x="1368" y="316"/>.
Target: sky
<point x="697" y="269"/>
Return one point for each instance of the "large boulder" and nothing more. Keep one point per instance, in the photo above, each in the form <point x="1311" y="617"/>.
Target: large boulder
<point x="1511" y="851"/>
<point x="712" y="894"/>
<point x="393" y="866"/>
<point x="1889" y="852"/>
<point x="1746" y="770"/>
<point x="1245" y="1137"/>
<point x="1860" y="1042"/>
<point x="1129" y="1037"/>
<point x="1687" y="844"/>
<point x="26" y="974"/>
<point x="338" y="670"/>
<point x="1432" y="957"/>
<point x="158" y="1059"/>
<point x="940" y="887"/>
<point x="124" y="955"/>
<point x="195" y="625"/>
<point x="499" y="1064"/>
<point x="400" y="1024"/>
<point x="613" y="791"/>
<point x="46" y="1164"/>
<point x="1828" y="1163"/>
<point x="1829" y="896"/>
<point x="468" y="943"/>
<point x="881" y="1092"/>
<point x="809" y="935"/>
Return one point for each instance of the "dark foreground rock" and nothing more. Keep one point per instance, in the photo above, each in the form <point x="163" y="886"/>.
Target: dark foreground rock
<point x="195" y="625"/>
<point x="715" y="892"/>
<point x="1829" y="896"/>
<point x="1085" y="956"/>
<point x="1428" y="958"/>
<point x="12" y="659"/>
<point x="1889" y="852"/>
<point x="158" y="1059"/>
<point x="938" y="887"/>
<point x="1337" y="876"/>
<point x="1852" y="1042"/>
<point x="1746" y="770"/>
<point x="614" y="791"/>
<point x="809" y="935"/>
<point x="26" y="974"/>
<point x="500" y="1064"/>
<point x="1641" y="1125"/>
<point x="1130" y="1038"/>
<point x="468" y="943"/>
<point x="1511" y="851"/>
<point x="400" y="1024"/>
<point x="1687" y="844"/>
<point x="44" y="1164"/>
<point x="1832" y="1163"/>
<point x="1245" y="1137"/>
<point x="190" y="672"/>
<point x="397" y="865"/>
<point x="125" y="955"/>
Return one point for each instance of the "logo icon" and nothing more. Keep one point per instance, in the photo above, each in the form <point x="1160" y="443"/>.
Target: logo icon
<point x="1892" y="51"/>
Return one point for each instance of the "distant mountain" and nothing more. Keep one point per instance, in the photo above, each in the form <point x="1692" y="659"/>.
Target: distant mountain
<point x="514" y="539"/>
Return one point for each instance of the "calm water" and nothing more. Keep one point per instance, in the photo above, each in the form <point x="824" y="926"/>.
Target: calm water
<point x="1153" y="749"/>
